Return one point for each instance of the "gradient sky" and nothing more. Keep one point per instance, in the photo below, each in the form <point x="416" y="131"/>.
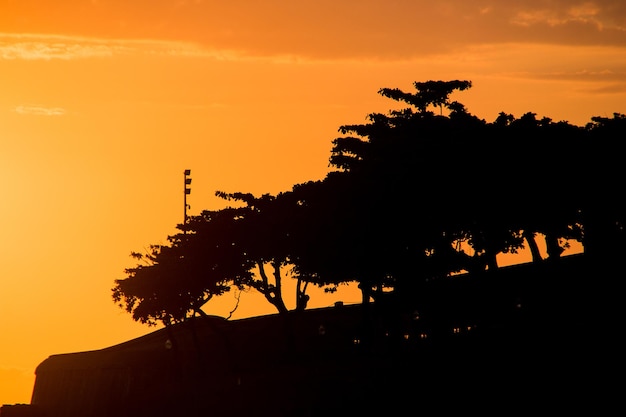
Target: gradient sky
<point x="104" y="104"/>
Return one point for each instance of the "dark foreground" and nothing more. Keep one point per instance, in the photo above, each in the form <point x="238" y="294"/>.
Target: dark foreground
<point x="529" y="341"/>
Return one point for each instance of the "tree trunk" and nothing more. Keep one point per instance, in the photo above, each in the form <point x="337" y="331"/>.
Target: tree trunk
<point x="492" y="261"/>
<point x="302" y="299"/>
<point x="532" y="245"/>
<point x="273" y="294"/>
<point x="366" y="319"/>
<point x="553" y="248"/>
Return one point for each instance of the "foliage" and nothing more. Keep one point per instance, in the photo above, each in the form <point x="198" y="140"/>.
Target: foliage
<point x="175" y="281"/>
<point x="413" y="196"/>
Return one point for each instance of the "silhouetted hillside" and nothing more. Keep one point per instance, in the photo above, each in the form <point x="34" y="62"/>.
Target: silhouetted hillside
<point x="521" y="338"/>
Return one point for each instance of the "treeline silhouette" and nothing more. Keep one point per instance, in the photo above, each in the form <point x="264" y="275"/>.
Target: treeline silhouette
<point x="414" y="196"/>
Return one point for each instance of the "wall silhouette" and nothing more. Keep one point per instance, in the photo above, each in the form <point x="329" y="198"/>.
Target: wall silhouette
<point x="511" y="336"/>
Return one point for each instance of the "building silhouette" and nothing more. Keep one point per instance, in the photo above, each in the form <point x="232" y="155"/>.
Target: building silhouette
<point x="521" y="338"/>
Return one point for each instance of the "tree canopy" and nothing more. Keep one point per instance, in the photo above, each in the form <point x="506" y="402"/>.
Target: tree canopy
<point x="413" y="195"/>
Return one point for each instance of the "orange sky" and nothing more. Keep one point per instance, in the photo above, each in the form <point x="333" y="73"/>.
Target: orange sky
<point x="103" y="105"/>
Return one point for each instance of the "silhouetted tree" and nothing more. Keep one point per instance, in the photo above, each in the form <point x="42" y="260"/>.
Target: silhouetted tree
<point x="341" y="235"/>
<point x="535" y="179"/>
<point x="175" y="281"/>
<point x="604" y="210"/>
<point x="268" y="223"/>
<point x="428" y="93"/>
<point x="407" y="164"/>
<point x="413" y="197"/>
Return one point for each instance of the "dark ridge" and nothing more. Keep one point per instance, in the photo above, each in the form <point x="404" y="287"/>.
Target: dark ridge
<point x="519" y="339"/>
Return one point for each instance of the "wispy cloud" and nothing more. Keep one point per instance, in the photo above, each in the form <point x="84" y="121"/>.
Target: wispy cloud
<point x="40" y="110"/>
<point x="49" y="47"/>
<point x="607" y="89"/>
<point x="324" y="29"/>
<point x="603" y="14"/>
<point x="586" y="75"/>
<point x="61" y="47"/>
<point x="585" y="12"/>
<point x="42" y="47"/>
